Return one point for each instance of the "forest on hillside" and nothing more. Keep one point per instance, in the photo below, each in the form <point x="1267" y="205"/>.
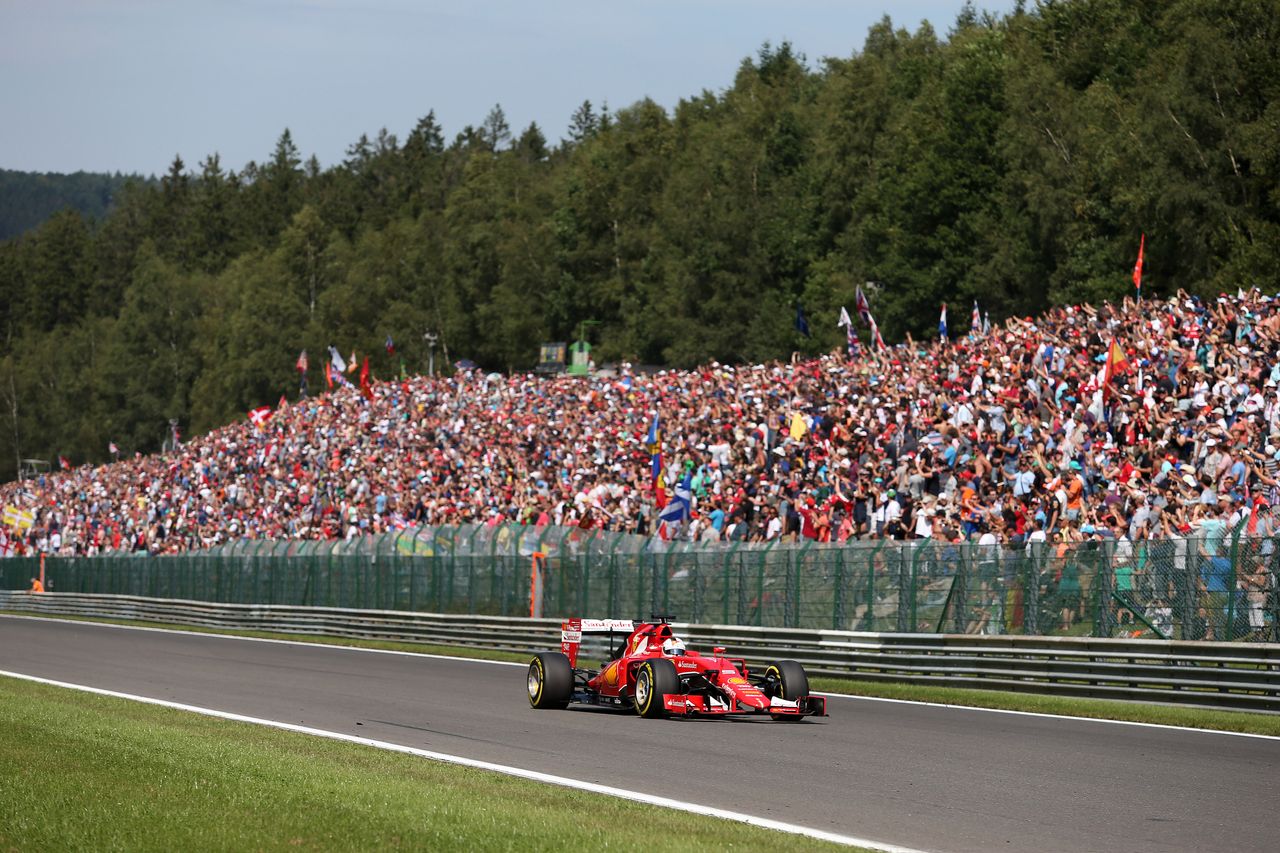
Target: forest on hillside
<point x="29" y="198"/>
<point x="1014" y="160"/>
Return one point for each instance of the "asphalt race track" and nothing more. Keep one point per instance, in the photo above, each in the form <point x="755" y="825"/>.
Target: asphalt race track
<point x="917" y="776"/>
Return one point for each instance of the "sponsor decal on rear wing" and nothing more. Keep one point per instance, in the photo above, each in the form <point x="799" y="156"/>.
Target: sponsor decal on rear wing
<point x="571" y="631"/>
<point x="591" y="626"/>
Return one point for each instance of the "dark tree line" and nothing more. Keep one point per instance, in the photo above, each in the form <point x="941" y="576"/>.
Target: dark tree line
<point x="29" y="198"/>
<point x="1015" y="161"/>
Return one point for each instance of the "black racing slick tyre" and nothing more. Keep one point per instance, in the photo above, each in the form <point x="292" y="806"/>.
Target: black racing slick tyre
<point x="550" y="680"/>
<point x="655" y="678"/>
<point x="787" y="680"/>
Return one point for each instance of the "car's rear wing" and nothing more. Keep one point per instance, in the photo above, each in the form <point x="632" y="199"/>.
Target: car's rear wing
<point x="571" y="631"/>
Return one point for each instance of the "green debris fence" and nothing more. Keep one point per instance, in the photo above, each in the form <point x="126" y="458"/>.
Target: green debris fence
<point x="1199" y="587"/>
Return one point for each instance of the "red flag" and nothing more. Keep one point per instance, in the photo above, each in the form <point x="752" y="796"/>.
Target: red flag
<point x="364" y="380"/>
<point x="1137" y="268"/>
<point x="302" y="362"/>
<point x="64" y="463"/>
<point x="284" y="401"/>
<point x="260" y="415"/>
<point x="328" y="375"/>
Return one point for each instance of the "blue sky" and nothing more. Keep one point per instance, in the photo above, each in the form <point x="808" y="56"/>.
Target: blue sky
<point x="124" y="85"/>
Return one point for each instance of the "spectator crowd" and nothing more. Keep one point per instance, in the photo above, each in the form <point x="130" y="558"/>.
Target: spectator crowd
<point x="1147" y="419"/>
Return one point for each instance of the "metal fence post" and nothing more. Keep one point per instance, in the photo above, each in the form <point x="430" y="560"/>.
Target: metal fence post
<point x="1031" y="587"/>
<point x="869" y="618"/>
<point x="791" y="614"/>
<point x="924" y="547"/>
<point x="725" y="578"/>
<point x="1230" y="628"/>
<point x="837" y="598"/>
<point x="764" y="558"/>
<point x="1103" y="580"/>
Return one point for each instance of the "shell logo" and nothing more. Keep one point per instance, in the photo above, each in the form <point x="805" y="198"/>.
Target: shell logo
<point x="611" y="674"/>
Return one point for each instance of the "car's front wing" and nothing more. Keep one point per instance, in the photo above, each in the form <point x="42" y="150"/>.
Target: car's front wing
<point x="697" y="704"/>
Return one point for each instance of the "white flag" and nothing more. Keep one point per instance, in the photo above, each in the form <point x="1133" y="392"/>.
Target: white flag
<point x="844" y="318"/>
<point x="336" y="358"/>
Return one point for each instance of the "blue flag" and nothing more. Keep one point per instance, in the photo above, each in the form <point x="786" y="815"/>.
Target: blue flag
<point x="678" y="508"/>
<point x="802" y="325"/>
<point x="942" y="323"/>
<point x="654" y="442"/>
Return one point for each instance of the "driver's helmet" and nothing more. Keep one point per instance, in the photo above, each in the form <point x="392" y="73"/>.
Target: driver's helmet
<point x="673" y="646"/>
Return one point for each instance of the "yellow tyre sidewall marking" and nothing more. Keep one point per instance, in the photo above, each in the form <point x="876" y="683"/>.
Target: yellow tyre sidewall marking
<point x="542" y="682"/>
<point x="646" y="669"/>
<point x="777" y="674"/>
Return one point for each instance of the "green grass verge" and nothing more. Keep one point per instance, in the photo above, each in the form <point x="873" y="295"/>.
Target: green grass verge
<point x="1101" y="709"/>
<point x="86" y="772"/>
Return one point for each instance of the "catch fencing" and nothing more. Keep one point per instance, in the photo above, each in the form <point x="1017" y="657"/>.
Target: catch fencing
<point x="1220" y="675"/>
<point x="1213" y="586"/>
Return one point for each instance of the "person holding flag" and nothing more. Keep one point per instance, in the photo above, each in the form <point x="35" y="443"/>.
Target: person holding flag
<point x="335" y="359"/>
<point x="802" y="324"/>
<point x="259" y="416"/>
<point x="653" y="443"/>
<point x="1116" y="364"/>
<point x="863" y="307"/>
<point x="678" y="509"/>
<point x="875" y="335"/>
<point x="301" y="366"/>
<point x="851" y="337"/>
<point x="366" y="390"/>
<point x="1137" y="268"/>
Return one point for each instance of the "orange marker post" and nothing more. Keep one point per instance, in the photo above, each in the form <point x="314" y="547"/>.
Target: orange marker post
<point x="535" y="584"/>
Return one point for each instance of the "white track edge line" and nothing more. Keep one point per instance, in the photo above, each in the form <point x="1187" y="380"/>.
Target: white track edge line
<point x="532" y="775"/>
<point x="307" y="643"/>
<point x="851" y="696"/>
<point x="1049" y="716"/>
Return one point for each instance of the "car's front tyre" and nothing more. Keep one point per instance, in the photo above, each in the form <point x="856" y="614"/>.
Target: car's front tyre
<point x="786" y="679"/>
<point x="655" y="678"/>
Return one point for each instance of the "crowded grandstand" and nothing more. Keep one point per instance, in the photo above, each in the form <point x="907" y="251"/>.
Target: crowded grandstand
<point x="1147" y="419"/>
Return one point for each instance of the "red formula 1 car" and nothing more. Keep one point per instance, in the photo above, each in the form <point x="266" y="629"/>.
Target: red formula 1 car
<point x="652" y="672"/>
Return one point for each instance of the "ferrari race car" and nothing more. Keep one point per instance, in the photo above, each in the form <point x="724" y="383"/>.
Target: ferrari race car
<point x="652" y="672"/>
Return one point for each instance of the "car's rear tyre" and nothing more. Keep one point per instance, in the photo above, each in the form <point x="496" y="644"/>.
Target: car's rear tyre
<point x="786" y="679"/>
<point x="550" y="680"/>
<point x="655" y="678"/>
